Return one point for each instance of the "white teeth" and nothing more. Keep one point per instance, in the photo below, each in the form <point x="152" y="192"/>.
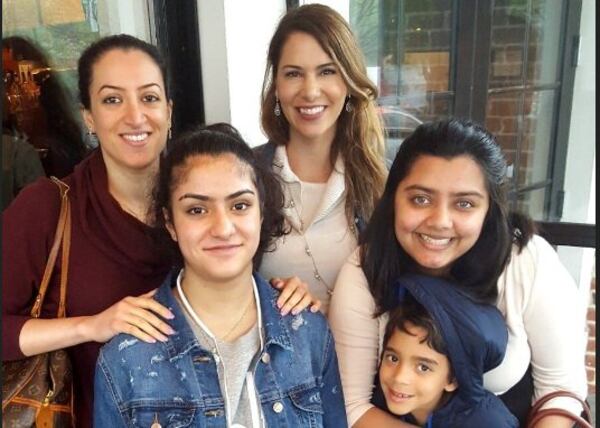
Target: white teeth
<point x="433" y="241"/>
<point x="135" y="137"/>
<point x="312" y="110"/>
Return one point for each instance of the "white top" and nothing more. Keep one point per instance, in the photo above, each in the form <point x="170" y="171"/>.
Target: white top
<point x="543" y="311"/>
<point x="321" y="224"/>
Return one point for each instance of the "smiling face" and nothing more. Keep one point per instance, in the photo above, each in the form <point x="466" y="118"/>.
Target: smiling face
<point x="310" y="89"/>
<point x="440" y="207"/>
<point x="216" y="218"/>
<point x="129" y="110"/>
<point x="413" y="376"/>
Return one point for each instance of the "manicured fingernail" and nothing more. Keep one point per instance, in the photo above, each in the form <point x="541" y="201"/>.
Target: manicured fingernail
<point x="284" y="312"/>
<point x="151" y="340"/>
<point x="170" y="315"/>
<point x="313" y="309"/>
<point x="170" y="331"/>
<point x="295" y="311"/>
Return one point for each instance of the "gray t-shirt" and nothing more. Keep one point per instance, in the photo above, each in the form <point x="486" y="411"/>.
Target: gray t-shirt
<point x="233" y="362"/>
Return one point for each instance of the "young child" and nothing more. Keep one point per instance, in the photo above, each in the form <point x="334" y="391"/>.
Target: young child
<point x="437" y="345"/>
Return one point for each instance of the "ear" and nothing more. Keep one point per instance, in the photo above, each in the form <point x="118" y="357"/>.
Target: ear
<point x="169" y="225"/>
<point x="451" y="386"/>
<point x="88" y="119"/>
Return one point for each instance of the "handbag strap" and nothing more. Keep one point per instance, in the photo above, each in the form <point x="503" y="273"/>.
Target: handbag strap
<point x="61" y="236"/>
<point x="536" y="414"/>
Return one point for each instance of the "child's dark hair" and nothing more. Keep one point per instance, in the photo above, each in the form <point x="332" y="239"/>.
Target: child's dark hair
<point x="411" y="311"/>
<point x="216" y="140"/>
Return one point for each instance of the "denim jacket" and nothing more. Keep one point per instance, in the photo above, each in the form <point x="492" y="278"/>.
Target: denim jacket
<point x="176" y="384"/>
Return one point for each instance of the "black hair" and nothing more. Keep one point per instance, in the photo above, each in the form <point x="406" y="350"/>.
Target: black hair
<point x="477" y="271"/>
<point x="92" y="54"/>
<point x="411" y="311"/>
<point x="216" y="140"/>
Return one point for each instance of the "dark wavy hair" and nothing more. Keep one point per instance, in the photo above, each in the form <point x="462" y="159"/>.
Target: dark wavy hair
<point x="92" y="54"/>
<point x="477" y="271"/>
<point x="216" y="140"/>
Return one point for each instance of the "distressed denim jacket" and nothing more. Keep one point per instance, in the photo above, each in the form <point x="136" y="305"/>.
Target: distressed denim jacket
<point x="175" y="383"/>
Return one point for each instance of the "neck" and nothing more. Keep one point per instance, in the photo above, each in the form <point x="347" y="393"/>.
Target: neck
<point x="310" y="162"/>
<point x="131" y="188"/>
<point x="217" y="301"/>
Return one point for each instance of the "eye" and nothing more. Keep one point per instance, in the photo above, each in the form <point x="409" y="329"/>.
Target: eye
<point x="150" y="98"/>
<point x="423" y="368"/>
<point x="391" y="358"/>
<point x="241" y="206"/>
<point x="111" y="100"/>
<point x="464" y="204"/>
<point x="420" y="200"/>
<point x="292" y="73"/>
<point x="328" y="71"/>
<point x="196" y="210"/>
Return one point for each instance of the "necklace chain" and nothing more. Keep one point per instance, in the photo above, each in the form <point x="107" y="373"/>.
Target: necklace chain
<point x="307" y="249"/>
<point x="232" y="329"/>
<point x="197" y="319"/>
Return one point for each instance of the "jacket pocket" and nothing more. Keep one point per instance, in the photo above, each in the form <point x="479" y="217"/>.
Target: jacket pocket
<point x="167" y="417"/>
<point x="308" y="406"/>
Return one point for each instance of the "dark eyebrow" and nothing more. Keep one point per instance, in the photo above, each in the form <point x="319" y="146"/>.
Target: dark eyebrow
<point x="297" y="67"/>
<point x="432" y="191"/>
<point x="417" y="358"/>
<point x="208" y="198"/>
<point x="118" y="88"/>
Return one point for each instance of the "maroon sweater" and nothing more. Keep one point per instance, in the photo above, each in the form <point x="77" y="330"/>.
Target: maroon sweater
<point x="112" y="256"/>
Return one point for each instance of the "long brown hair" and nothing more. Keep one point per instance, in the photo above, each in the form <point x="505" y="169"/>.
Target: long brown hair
<point x="359" y="134"/>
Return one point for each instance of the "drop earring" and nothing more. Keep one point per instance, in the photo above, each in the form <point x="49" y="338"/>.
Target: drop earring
<point x="349" y="105"/>
<point x="92" y="138"/>
<point x="277" y="108"/>
<point x="170" y="133"/>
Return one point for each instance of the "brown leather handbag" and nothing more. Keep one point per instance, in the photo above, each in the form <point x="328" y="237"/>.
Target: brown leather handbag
<point x="536" y="414"/>
<point x="37" y="391"/>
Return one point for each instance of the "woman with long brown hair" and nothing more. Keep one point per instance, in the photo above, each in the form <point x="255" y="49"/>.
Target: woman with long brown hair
<point x="325" y="144"/>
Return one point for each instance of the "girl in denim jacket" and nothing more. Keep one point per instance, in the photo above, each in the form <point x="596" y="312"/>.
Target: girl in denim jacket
<point x="233" y="359"/>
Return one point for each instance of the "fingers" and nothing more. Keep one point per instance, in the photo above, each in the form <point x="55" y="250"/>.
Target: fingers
<point x="288" y="287"/>
<point x="316" y="306"/>
<point x="149" y="323"/>
<point x="294" y="296"/>
<point x="141" y="317"/>
<point x="150" y="304"/>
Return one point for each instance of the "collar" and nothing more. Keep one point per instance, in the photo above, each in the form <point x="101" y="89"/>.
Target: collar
<point x="273" y="329"/>
<point x="282" y="163"/>
<point x="335" y="187"/>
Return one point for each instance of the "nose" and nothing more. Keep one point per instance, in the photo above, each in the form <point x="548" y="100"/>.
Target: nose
<point x="134" y="114"/>
<point x="402" y="374"/>
<point x="440" y="217"/>
<point x="222" y="226"/>
<point x="311" y="88"/>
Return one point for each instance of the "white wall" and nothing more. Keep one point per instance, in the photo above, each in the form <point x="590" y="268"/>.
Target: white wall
<point x="234" y="39"/>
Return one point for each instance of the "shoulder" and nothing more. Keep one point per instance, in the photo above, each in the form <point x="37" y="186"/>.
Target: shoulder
<point x="37" y="207"/>
<point x="351" y="278"/>
<point x="537" y="255"/>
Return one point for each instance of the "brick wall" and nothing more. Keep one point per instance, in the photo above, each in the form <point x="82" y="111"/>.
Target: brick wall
<point x="590" y="356"/>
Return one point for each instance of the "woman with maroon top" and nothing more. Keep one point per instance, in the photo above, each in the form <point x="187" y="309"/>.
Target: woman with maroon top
<point x="125" y="102"/>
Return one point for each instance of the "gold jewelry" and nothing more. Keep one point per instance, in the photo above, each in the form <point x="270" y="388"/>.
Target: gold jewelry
<point x="196" y="318"/>
<point x="238" y="321"/>
<point x="307" y="249"/>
